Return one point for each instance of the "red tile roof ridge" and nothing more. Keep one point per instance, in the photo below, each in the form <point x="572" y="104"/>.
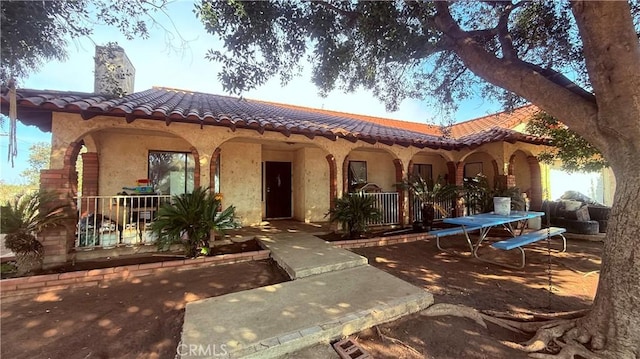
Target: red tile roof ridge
<point x="407" y="125"/>
<point x="505" y="119"/>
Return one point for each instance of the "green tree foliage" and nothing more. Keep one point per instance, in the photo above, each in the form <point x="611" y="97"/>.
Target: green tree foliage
<point x="577" y="61"/>
<point x="34" y="32"/>
<point x="39" y="157"/>
<point x="575" y="153"/>
<point x="396" y="49"/>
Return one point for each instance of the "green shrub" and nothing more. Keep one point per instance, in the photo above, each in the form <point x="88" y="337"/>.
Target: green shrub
<point x="190" y="218"/>
<point x="353" y="212"/>
<point x="23" y="218"/>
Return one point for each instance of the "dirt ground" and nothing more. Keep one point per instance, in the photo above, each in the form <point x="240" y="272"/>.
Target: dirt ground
<point x="143" y="319"/>
<point x="463" y="280"/>
<point x="138" y="319"/>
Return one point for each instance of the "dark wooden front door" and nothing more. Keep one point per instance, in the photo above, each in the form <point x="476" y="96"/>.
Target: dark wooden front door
<point x="278" y="189"/>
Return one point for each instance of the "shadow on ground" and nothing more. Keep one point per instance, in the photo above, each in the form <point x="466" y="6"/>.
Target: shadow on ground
<point x="141" y="318"/>
<point x="573" y="279"/>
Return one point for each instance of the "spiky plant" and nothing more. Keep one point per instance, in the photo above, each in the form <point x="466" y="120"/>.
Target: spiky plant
<point x="23" y="219"/>
<point x="190" y="218"/>
<point x="354" y="211"/>
<point x="430" y="193"/>
<point x="479" y="194"/>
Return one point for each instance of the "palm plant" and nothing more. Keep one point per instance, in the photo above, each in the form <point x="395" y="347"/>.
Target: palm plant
<point x="23" y="219"/>
<point x="190" y="218"/>
<point x="354" y="211"/>
<point x="479" y="195"/>
<point x="430" y="193"/>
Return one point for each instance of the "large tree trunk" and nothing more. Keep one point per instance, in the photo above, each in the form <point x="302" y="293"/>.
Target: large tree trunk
<point x="609" y="119"/>
<point x="614" y="322"/>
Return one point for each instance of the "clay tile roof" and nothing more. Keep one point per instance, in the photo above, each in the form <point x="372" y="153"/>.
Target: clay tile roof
<point x="173" y="105"/>
<point x="505" y="119"/>
<point x="496" y="134"/>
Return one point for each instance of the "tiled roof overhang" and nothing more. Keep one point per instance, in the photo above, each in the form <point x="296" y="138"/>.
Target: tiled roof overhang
<point x="35" y="107"/>
<point x="497" y="134"/>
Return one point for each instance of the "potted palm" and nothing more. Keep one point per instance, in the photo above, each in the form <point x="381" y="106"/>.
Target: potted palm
<point x="23" y="219"/>
<point x="190" y="219"/>
<point x="353" y="211"/>
<point x="430" y="194"/>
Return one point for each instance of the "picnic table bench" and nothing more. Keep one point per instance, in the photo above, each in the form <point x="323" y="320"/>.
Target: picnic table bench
<point x="438" y="233"/>
<point x="522" y="240"/>
<point x="485" y="221"/>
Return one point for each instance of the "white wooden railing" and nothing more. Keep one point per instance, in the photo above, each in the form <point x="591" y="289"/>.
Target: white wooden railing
<point x="417" y="213"/>
<point x="110" y="221"/>
<point x="387" y="203"/>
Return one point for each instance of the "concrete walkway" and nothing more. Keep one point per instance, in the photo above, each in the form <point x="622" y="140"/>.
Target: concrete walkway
<point x="337" y="294"/>
<point x="302" y="254"/>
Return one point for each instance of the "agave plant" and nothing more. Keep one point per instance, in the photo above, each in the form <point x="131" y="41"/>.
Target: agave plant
<point x="23" y="219"/>
<point x="353" y="212"/>
<point x="190" y="218"/>
<point x="430" y="193"/>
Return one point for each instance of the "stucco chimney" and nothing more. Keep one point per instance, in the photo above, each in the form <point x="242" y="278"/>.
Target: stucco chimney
<point x="114" y="73"/>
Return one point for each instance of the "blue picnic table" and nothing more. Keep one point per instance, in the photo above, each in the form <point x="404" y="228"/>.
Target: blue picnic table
<point x="485" y="221"/>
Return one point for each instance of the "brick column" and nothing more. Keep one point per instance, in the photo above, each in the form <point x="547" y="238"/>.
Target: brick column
<point x="536" y="183"/>
<point x="59" y="240"/>
<point x="412" y="214"/>
<point x="399" y="177"/>
<point x="90" y="174"/>
<point x="196" y="170"/>
<point x="333" y="180"/>
<point x="451" y="172"/>
<point x="345" y="175"/>
<point x="506" y="181"/>
<point x="215" y="157"/>
<point x="458" y="179"/>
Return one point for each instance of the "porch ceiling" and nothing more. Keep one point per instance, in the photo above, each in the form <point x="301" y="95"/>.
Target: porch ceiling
<point x="201" y="109"/>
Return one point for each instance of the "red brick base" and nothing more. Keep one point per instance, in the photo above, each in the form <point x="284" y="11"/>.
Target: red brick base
<point x="16" y="288"/>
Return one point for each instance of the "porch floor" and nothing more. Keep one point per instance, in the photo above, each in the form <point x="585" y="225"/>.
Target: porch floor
<point x="337" y="294"/>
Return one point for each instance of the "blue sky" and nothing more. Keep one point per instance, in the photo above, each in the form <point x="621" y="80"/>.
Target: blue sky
<point x="160" y="64"/>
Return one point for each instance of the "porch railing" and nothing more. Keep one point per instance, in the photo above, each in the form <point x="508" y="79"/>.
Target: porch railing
<point x="387" y="202"/>
<point x="448" y="205"/>
<point x="110" y="221"/>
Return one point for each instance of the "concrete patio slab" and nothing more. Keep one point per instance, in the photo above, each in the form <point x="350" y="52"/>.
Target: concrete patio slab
<point x="302" y="255"/>
<point x="272" y="321"/>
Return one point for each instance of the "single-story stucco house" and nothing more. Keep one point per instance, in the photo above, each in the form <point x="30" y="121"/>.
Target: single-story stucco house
<point x="269" y="160"/>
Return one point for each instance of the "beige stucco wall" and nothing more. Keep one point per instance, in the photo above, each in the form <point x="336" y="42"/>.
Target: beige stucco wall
<point x="123" y="148"/>
<point x="240" y="179"/>
<point x="313" y="172"/>
<point x="380" y="167"/>
<point x="124" y="157"/>
<point x="487" y="165"/>
<point x="298" y="184"/>
<point x="522" y="171"/>
<point x="438" y="164"/>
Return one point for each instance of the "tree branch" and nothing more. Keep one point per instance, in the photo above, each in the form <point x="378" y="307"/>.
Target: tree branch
<point x="612" y="54"/>
<point x="504" y="37"/>
<point x="351" y="15"/>
<point x="546" y="88"/>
